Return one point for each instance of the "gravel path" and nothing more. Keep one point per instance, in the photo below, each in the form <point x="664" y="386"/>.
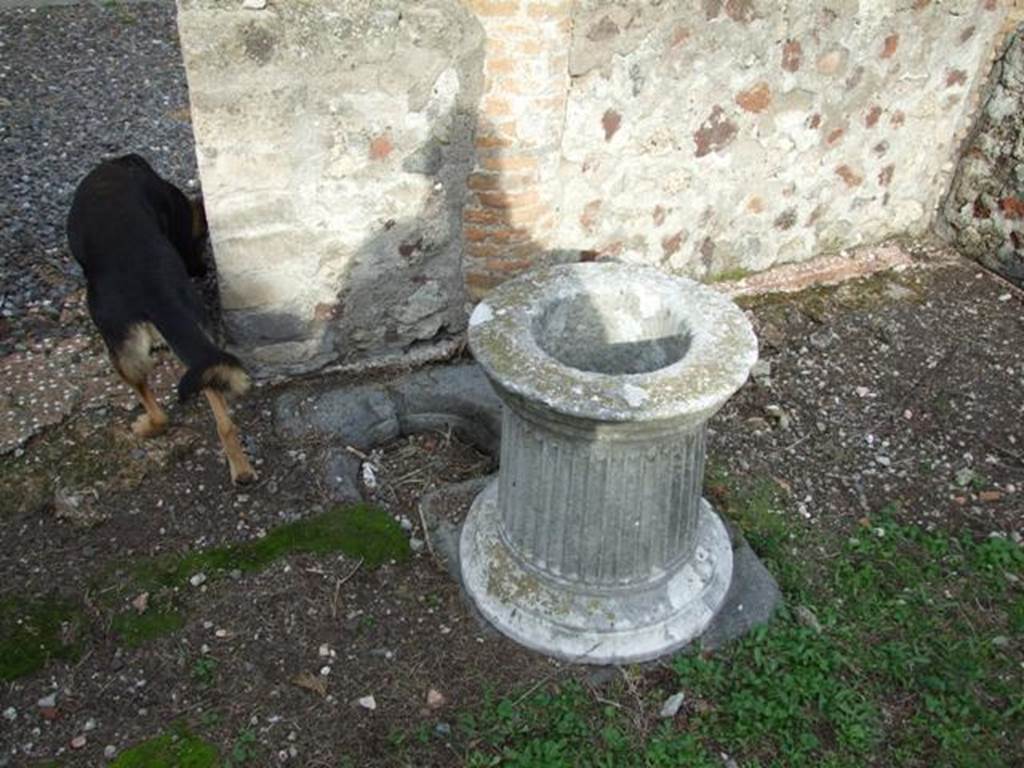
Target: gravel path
<point x="77" y="84"/>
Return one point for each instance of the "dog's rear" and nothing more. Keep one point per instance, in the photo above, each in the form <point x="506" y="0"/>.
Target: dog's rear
<point x="138" y="239"/>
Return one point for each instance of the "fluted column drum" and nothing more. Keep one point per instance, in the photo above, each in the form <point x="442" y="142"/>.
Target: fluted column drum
<point x="597" y="513"/>
<point x="594" y="543"/>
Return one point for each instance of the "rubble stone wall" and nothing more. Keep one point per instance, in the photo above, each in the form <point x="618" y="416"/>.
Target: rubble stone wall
<point x="372" y="166"/>
<point x="984" y="213"/>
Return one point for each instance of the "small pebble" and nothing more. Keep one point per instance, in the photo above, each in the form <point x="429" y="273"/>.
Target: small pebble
<point x="198" y="580"/>
<point x="368" y="702"/>
<point x="671" y="706"/>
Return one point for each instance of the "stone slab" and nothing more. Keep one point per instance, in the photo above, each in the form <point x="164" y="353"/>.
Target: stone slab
<point x="363" y="416"/>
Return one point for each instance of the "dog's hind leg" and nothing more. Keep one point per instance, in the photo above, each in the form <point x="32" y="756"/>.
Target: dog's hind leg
<point x="133" y="362"/>
<point x="241" y="470"/>
<point x="154" y="421"/>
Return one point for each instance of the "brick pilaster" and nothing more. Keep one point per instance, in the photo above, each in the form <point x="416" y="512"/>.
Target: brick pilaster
<point x="511" y="211"/>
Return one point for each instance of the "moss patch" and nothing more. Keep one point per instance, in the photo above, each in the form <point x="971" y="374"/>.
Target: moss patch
<point x="136" y="629"/>
<point x="362" y="531"/>
<point x="34" y="631"/>
<point x="170" y="750"/>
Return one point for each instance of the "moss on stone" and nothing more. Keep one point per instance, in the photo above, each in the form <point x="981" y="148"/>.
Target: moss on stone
<point x="729" y="275"/>
<point x="179" y="749"/>
<point x="34" y="631"/>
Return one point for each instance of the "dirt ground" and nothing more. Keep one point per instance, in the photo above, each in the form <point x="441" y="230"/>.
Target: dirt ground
<point x="900" y="389"/>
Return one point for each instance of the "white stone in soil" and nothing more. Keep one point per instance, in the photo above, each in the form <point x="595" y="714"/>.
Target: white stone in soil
<point x="671" y="706"/>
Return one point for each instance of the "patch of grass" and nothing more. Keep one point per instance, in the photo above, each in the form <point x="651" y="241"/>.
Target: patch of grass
<point x="178" y="749"/>
<point x="34" y="631"/>
<point x="136" y="629"/>
<point x="786" y="693"/>
<point x="911" y="657"/>
<point x="567" y="726"/>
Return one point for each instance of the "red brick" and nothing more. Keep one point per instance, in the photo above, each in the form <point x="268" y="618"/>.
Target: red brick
<point x="850" y="176"/>
<point x="885" y="175"/>
<point x="483" y="216"/>
<point x="680" y="36"/>
<point x="483" y="250"/>
<point x="508" y="265"/>
<point x="610" y="121"/>
<point x="1012" y="207"/>
<point x="495" y="105"/>
<point x="381" y="147"/>
<point x="507" y="200"/>
<point x="755" y="99"/>
<point x="671" y="245"/>
<point x="499" y="66"/>
<point x="740" y="10"/>
<point x="792" y="55"/>
<point x="588" y="219"/>
<point x="891" y="44"/>
<point x="492" y="142"/>
<point x="509" y="163"/>
<point x="716" y="132"/>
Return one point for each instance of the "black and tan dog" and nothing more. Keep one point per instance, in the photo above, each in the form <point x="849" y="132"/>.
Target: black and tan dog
<point x="138" y="239"/>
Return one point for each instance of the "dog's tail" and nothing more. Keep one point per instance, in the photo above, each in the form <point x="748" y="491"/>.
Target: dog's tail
<point x="220" y="371"/>
<point x="208" y="367"/>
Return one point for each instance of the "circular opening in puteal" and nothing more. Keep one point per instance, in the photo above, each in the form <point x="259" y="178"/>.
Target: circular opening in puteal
<point x="626" y="331"/>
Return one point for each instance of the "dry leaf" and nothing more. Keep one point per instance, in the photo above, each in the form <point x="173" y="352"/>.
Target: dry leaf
<point x="310" y="682"/>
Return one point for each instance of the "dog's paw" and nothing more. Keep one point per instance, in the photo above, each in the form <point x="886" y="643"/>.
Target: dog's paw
<point x="245" y="476"/>
<point x="147" y="427"/>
